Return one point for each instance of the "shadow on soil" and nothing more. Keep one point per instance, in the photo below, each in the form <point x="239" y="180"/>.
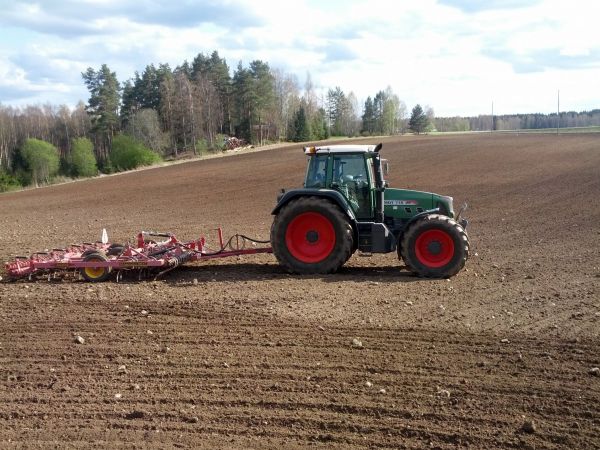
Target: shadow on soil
<point x="239" y="272"/>
<point x="270" y="272"/>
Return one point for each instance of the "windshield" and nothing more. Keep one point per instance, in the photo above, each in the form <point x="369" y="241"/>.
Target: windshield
<point x="348" y="168"/>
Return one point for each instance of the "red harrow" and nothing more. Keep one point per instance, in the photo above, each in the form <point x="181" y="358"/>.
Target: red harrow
<point x="97" y="261"/>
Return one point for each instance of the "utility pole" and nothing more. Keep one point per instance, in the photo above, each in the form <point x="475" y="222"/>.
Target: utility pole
<point x="492" y="124"/>
<point x="558" y="111"/>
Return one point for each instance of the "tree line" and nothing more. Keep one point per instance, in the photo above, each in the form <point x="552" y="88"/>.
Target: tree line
<point x="518" y="121"/>
<point x="190" y="108"/>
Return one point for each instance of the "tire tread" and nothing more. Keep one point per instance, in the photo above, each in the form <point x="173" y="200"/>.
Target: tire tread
<point x="449" y="225"/>
<point x="344" y="236"/>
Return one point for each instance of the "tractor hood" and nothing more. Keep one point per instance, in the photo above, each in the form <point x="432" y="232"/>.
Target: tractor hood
<point x="404" y="203"/>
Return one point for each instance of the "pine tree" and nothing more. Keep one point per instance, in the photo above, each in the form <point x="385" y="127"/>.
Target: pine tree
<point x="214" y="71"/>
<point x="418" y="120"/>
<point x="318" y="125"/>
<point x="368" y="117"/>
<point x="103" y="105"/>
<point x="301" y="126"/>
<point x="242" y="102"/>
<point x="130" y="100"/>
<point x="264" y="96"/>
<point x="219" y="71"/>
<point x="253" y="100"/>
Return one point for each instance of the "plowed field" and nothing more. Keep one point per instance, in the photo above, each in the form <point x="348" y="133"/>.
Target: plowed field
<point x="237" y="353"/>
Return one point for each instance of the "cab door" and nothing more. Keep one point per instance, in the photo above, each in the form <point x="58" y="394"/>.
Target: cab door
<point x="352" y="178"/>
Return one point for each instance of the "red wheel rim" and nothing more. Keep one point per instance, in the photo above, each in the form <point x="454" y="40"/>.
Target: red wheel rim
<point x="434" y="248"/>
<point x="310" y="237"/>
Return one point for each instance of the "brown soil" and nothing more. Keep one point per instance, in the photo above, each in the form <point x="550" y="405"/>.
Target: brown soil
<point x="236" y="353"/>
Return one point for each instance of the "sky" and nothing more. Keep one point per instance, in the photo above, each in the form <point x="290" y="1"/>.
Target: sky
<point x="457" y="56"/>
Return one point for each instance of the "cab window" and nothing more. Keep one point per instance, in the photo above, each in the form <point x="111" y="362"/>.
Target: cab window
<point x="316" y="173"/>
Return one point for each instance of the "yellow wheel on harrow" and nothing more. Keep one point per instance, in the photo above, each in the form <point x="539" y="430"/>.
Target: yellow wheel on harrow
<point x="95" y="274"/>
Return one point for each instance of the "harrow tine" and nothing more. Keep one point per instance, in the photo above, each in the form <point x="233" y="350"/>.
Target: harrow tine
<point x="160" y="274"/>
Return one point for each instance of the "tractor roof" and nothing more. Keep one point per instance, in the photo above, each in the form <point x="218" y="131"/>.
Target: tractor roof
<point x="340" y="149"/>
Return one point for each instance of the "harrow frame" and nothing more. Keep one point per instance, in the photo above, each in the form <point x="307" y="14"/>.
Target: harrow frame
<point x="160" y="257"/>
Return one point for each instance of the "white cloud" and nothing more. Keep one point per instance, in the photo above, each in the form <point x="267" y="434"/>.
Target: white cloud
<point x="455" y="55"/>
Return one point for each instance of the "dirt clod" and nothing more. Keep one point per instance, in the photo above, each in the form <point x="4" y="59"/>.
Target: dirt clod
<point x="135" y="414"/>
<point x="529" y="426"/>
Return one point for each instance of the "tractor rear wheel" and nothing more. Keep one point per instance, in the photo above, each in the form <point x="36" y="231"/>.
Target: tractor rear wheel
<point x="435" y="246"/>
<point x="312" y="235"/>
<point x="95" y="274"/>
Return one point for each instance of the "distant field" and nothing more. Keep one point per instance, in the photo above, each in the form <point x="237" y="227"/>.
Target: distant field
<point x="594" y="129"/>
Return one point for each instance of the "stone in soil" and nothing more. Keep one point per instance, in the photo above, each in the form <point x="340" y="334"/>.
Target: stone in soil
<point x="529" y="426"/>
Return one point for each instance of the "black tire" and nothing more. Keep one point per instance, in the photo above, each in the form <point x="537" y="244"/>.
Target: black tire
<point x="95" y="275"/>
<point x="435" y="246"/>
<point x="115" y="250"/>
<point x="312" y="235"/>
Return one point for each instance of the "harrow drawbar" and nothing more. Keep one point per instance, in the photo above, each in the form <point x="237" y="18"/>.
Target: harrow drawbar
<point x="100" y="260"/>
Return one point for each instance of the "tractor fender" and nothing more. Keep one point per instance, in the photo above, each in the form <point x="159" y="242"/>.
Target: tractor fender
<point x="424" y="213"/>
<point x="333" y="196"/>
<point x="414" y="219"/>
<point x="330" y="194"/>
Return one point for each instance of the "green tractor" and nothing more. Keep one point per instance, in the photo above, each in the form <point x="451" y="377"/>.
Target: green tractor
<point x="346" y="205"/>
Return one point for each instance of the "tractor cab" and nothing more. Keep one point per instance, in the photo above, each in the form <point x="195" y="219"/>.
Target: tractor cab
<point x="348" y="169"/>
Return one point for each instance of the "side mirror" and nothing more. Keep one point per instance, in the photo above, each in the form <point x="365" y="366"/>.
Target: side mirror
<point x="386" y="166"/>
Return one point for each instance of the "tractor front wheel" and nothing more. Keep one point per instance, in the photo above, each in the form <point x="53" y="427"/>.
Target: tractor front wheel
<point x="435" y="246"/>
<point x="311" y="235"/>
<point x="95" y="274"/>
